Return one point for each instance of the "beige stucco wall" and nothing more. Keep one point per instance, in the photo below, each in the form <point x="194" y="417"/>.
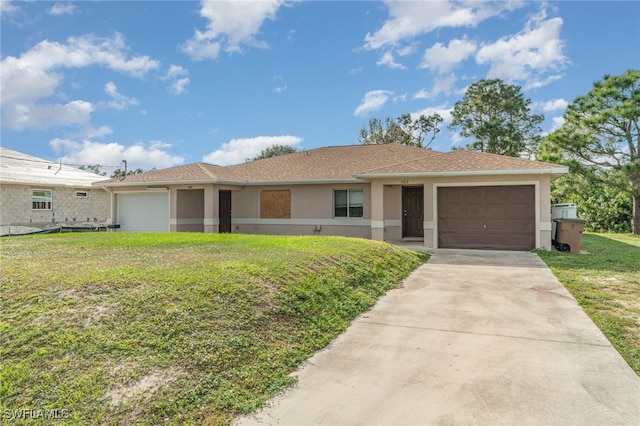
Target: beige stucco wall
<point x="189" y="210"/>
<point x="311" y="212"/>
<point x="16" y="205"/>
<point x="312" y="207"/>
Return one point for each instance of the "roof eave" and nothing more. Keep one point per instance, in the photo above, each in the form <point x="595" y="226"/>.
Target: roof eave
<point x="49" y="183"/>
<point x="126" y="183"/>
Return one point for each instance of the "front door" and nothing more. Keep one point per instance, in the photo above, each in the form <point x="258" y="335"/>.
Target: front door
<point x="224" y="211"/>
<point x="412" y="212"/>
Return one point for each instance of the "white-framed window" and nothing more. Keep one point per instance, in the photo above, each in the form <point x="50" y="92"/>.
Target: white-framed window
<point x="82" y="194"/>
<point x="41" y="199"/>
<point x="348" y="203"/>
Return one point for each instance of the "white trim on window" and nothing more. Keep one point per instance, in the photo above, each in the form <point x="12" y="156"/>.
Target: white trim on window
<point x="350" y="204"/>
<point x="41" y="199"/>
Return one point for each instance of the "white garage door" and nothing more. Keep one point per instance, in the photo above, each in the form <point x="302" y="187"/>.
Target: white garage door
<point x="143" y="212"/>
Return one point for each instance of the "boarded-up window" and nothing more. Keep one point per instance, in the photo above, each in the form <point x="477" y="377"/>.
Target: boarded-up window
<point x="275" y="204"/>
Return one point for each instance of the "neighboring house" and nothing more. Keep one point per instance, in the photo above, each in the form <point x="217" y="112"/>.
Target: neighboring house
<point x="458" y="199"/>
<point x="41" y="194"/>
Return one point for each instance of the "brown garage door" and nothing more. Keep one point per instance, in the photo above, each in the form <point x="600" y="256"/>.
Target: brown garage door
<point x="487" y="217"/>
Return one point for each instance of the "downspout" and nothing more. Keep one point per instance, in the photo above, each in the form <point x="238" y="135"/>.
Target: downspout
<point x="111" y="204"/>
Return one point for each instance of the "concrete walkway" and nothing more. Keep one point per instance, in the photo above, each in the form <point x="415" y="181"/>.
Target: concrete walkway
<point x="473" y="338"/>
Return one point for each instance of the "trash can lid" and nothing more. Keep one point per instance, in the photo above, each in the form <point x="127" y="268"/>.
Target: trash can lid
<point x="570" y="220"/>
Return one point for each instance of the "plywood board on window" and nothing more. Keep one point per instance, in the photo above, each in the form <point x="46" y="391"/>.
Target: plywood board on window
<point x="275" y="204"/>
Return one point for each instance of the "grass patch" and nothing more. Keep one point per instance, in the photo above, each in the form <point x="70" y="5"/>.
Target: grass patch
<point x="606" y="283"/>
<point x="122" y="328"/>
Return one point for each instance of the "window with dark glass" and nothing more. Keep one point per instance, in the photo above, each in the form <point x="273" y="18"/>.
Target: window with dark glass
<point x="348" y="203"/>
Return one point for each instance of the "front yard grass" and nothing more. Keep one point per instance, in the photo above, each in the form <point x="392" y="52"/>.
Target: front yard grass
<point x="119" y="328"/>
<point x="606" y="283"/>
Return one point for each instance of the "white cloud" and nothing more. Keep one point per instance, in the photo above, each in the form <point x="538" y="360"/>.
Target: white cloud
<point x="120" y="102"/>
<point x="372" y="101"/>
<point x="180" y="86"/>
<point x="179" y="80"/>
<point x="175" y="71"/>
<point x="92" y="133"/>
<point x="279" y="89"/>
<point x="35" y="75"/>
<point x="557" y="122"/>
<point x="536" y="84"/>
<point x="44" y="116"/>
<point x="60" y="9"/>
<point x="422" y="94"/>
<point x="400" y="98"/>
<point x="238" y="150"/>
<point x="407" y="50"/>
<point x="443" y="59"/>
<point x="410" y="19"/>
<point x="281" y="84"/>
<point x="552" y="105"/>
<point x="7" y="7"/>
<point x="527" y="55"/>
<point x="388" y="60"/>
<point x="140" y="155"/>
<point x="457" y="140"/>
<point x="443" y="111"/>
<point x="232" y="25"/>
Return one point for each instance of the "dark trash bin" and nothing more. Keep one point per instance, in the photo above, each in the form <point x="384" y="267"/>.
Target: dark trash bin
<point x="569" y="234"/>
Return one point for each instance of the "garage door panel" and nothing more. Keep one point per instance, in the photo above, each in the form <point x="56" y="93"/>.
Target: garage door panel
<point x="463" y="224"/>
<point x="489" y="217"/>
<point x="142" y="212"/>
<point x="495" y="195"/>
<point x="521" y="194"/>
<point x="461" y="241"/>
<point x="517" y="210"/>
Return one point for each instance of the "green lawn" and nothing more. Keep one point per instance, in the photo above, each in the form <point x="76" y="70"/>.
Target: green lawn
<point x="606" y="283"/>
<point x="119" y="328"/>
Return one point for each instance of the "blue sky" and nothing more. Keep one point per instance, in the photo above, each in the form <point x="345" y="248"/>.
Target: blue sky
<point x="161" y="83"/>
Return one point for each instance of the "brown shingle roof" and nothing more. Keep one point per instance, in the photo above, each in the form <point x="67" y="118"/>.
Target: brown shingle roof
<point x="340" y="163"/>
<point x="330" y="163"/>
<point x="462" y="161"/>
<point x="195" y="172"/>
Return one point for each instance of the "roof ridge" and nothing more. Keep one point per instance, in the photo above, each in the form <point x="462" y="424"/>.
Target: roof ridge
<point x="435" y="154"/>
<point x="205" y="168"/>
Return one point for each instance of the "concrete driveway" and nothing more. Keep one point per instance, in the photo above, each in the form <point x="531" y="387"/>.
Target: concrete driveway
<point x="473" y="337"/>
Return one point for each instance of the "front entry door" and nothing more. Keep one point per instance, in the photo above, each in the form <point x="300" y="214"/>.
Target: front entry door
<point x="224" y="211"/>
<point x="412" y="212"/>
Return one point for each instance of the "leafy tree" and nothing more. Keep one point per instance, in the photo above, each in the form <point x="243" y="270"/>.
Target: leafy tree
<point x="498" y="116"/>
<point x="119" y="173"/>
<point x="383" y="132"/>
<point x="274" y="151"/>
<point x="601" y="132"/>
<point x="602" y="205"/>
<point x="403" y="130"/>
<point x="96" y="168"/>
